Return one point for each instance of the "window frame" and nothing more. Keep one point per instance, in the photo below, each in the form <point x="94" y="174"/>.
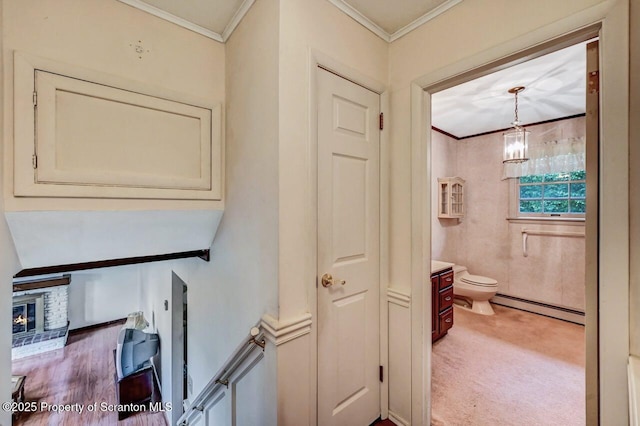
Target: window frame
<point x="514" y="206"/>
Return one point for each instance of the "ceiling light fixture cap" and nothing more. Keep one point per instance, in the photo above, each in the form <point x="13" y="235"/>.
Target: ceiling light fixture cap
<point x="516" y="89"/>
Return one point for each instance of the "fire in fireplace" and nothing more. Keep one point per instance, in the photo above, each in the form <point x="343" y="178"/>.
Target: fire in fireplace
<point x="28" y="315"/>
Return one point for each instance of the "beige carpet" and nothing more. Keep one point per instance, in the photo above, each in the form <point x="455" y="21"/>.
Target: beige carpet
<point x="513" y="368"/>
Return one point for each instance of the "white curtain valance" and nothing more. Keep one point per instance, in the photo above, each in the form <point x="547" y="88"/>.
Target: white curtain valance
<point x="556" y="156"/>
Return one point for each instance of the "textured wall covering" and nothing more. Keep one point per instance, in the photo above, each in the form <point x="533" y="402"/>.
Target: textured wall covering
<point x="488" y="244"/>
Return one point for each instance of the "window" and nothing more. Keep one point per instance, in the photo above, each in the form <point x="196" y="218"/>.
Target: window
<point x="553" y="194"/>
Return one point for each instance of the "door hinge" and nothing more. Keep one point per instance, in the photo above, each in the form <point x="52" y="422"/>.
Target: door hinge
<point x="381" y="374"/>
<point x="34" y="161"/>
<point x="381" y="120"/>
<point x="35" y="98"/>
<point x="594" y="82"/>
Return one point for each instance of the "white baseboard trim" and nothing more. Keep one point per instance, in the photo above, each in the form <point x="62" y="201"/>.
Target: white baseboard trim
<point x="279" y="332"/>
<point x="398" y="298"/>
<point x="398" y="419"/>
<point x="539" y="308"/>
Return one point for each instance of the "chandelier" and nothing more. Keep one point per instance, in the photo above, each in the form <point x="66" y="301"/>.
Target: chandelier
<point x="516" y="141"/>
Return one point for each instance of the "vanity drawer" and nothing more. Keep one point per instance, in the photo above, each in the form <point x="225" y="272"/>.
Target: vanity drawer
<point x="445" y="320"/>
<point x="446" y="280"/>
<point x="446" y="298"/>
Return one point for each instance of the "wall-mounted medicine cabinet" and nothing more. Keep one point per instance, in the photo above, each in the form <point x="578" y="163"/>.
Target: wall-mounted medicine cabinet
<point x="451" y="197"/>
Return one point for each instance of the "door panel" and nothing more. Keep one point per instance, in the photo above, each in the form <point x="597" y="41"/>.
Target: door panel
<point x="349" y="209"/>
<point x="348" y="250"/>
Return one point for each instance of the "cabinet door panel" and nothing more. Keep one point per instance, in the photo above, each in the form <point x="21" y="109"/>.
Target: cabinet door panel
<point x="445" y="320"/>
<point x="446" y="280"/>
<point x="93" y="134"/>
<point x="81" y="133"/>
<point x="446" y="298"/>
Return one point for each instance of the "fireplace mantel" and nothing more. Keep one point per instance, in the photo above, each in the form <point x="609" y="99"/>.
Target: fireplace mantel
<point x="41" y="283"/>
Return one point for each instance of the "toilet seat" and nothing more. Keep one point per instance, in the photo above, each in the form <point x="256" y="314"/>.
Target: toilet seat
<point x="479" y="280"/>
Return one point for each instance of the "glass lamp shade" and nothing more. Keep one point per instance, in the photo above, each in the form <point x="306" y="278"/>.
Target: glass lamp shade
<point x="516" y="145"/>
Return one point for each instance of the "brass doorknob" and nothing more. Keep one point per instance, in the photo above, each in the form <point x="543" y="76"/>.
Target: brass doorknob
<point x="327" y="281"/>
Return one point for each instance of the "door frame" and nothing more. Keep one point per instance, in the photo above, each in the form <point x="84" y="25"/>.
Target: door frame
<point x="608" y="337"/>
<point x="318" y="60"/>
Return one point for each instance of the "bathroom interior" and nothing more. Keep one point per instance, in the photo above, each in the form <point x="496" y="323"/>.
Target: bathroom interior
<point x="508" y="245"/>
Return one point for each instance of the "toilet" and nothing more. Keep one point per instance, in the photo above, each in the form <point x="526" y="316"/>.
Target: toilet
<point x="472" y="292"/>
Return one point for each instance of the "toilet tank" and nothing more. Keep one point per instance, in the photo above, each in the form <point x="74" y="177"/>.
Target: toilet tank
<point x="458" y="269"/>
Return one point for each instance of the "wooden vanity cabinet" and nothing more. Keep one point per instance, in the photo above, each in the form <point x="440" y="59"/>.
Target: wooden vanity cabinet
<point x="441" y="303"/>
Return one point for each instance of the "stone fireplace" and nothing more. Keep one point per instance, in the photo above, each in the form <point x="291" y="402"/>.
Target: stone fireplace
<point x="40" y="316"/>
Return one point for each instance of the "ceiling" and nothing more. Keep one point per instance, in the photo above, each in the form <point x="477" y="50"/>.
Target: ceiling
<point x="213" y="15"/>
<point x="555" y="83"/>
<point x="555" y="88"/>
<point x="217" y="19"/>
<point x="389" y="16"/>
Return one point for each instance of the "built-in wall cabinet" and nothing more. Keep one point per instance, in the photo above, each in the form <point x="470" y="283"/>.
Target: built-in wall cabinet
<point x="81" y="134"/>
<point x="450" y="197"/>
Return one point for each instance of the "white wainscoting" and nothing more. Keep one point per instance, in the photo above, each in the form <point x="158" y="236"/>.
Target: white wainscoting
<point x="244" y="401"/>
<point x="235" y="404"/>
<point x="399" y="356"/>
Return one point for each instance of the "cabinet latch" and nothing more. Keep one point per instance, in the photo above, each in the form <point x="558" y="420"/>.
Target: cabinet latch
<point x="35" y="98"/>
<point x="34" y="161"/>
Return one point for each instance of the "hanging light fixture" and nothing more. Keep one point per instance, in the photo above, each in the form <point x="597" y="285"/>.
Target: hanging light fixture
<point x="516" y="141"/>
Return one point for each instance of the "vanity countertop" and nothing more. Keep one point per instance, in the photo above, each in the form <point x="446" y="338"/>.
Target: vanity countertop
<point x="438" y="266"/>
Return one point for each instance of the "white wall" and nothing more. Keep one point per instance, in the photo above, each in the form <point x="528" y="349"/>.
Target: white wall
<point x="101" y="36"/>
<point x="8" y="266"/>
<point x="488" y="244"/>
<point x="102" y="295"/>
<point x="230" y="294"/>
<point x="308" y="28"/>
<point x="155" y="288"/>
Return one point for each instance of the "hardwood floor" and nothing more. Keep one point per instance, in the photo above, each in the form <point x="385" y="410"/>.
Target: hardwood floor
<point x="80" y="373"/>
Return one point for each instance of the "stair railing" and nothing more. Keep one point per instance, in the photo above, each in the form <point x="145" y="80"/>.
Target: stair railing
<point x="221" y="378"/>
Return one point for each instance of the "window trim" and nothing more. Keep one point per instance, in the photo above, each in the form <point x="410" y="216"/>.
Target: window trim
<point x="515" y="215"/>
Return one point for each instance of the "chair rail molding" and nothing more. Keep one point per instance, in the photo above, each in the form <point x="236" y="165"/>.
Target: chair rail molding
<point x="279" y="332"/>
<point x="399" y="298"/>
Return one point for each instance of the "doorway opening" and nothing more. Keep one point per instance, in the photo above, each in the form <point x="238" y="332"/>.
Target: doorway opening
<point x="486" y="62"/>
<point x="514" y="232"/>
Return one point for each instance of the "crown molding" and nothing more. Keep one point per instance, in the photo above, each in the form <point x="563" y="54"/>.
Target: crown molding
<point x="146" y="7"/>
<point x="278" y="332"/>
<point x="361" y="19"/>
<point x="379" y="31"/>
<point x="448" y="4"/>
<point x="237" y="17"/>
<point x="246" y="5"/>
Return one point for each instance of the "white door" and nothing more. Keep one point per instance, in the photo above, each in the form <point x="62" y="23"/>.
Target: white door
<point x="348" y="251"/>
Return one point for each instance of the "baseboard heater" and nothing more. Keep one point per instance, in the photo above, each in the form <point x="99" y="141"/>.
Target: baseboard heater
<point x="552" y="311"/>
